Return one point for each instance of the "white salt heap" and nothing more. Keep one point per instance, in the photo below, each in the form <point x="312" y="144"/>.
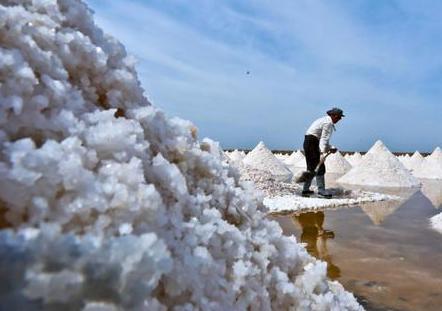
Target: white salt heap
<point x="281" y="157"/>
<point x="431" y="166"/>
<point x="337" y="164"/>
<point x="261" y="158"/>
<point x="414" y="163"/>
<point x="106" y="204"/>
<point x="295" y="158"/>
<point x="354" y="159"/>
<point x="236" y="156"/>
<point x="380" y="168"/>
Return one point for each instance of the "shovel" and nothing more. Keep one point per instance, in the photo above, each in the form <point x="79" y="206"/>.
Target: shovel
<point x="307" y="175"/>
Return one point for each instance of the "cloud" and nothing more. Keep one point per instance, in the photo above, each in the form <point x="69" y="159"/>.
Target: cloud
<point x="302" y="58"/>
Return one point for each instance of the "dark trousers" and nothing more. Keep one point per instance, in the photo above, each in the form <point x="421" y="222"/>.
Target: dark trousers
<point x="313" y="154"/>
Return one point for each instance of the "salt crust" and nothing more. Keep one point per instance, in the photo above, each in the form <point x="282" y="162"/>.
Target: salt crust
<point x="380" y="168"/>
<point x="337" y="164"/>
<point x="284" y="197"/>
<point x="261" y="158"/>
<point x="295" y="203"/>
<point x="431" y="166"/>
<point x="107" y="204"/>
<point x="436" y="222"/>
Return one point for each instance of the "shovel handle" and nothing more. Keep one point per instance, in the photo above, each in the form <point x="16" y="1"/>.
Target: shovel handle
<point x="322" y="160"/>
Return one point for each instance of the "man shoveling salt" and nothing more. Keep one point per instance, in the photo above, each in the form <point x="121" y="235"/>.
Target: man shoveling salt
<point x="316" y="147"/>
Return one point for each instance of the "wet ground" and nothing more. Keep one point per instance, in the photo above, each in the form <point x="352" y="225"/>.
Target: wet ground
<point x="384" y="252"/>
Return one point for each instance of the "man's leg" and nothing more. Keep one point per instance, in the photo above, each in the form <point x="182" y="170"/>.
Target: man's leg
<point x="312" y="155"/>
<point x="320" y="182"/>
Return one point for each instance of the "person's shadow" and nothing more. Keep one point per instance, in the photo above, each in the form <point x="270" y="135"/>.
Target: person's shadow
<point x="315" y="236"/>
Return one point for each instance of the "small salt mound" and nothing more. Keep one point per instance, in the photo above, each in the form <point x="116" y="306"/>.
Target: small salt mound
<point x="236" y="155"/>
<point x="354" y="159"/>
<point x="431" y="166"/>
<point x="294" y="158"/>
<point x="436" y="222"/>
<point x="281" y="157"/>
<point x="337" y="164"/>
<point x="415" y="162"/>
<point x="404" y="159"/>
<point x="261" y="158"/>
<point x="380" y="168"/>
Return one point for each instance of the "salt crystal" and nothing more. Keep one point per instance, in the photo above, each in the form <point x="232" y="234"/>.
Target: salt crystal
<point x="110" y="204"/>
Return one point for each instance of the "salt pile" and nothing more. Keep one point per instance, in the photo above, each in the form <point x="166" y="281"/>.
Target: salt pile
<point x="404" y="159"/>
<point x="107" y="204"/>
<point x="436" y="222"/>
<point x="261" y="158"/>
<point x="380" y="168"/>
<point x="354" y="159"/>
<point x="281" y="156"/>
<point x="431" y="166"/>
<point x="414" y="162"/>
<point x="294" y="158"/>
<point x="337" y="164"/>
<point x="236" y="156"/>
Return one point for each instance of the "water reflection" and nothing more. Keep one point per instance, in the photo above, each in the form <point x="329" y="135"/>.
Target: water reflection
<point x="432" y="189"/>
<point x="378" y="211"/>
<point x="315" y="236"/>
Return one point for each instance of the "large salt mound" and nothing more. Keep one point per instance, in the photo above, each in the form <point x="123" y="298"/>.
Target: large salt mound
<point x="337" y="164"/>
<point x="261" y="158"/>
<point x="380" y="168"/>
<point x="107" y="204"/>
<point x="431" y="166"/>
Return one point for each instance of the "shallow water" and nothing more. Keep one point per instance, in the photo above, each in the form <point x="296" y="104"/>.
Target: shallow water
<point x="384" y="252"/>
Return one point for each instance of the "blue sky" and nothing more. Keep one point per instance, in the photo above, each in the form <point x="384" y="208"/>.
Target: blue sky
<point x="380" y="61"/>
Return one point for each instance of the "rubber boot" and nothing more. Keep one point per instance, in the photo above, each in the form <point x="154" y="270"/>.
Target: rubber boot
<point x="320" y="181"/>
<point x="306" y="188"/>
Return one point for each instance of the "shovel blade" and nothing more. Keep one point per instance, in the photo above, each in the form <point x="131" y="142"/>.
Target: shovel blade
<point x="305" y="176"/>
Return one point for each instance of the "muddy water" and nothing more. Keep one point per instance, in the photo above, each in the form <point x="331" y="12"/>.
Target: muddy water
<point x="385" y="253"/>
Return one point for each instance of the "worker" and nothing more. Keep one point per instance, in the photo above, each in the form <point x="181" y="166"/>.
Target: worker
<point x="316" y="145"/>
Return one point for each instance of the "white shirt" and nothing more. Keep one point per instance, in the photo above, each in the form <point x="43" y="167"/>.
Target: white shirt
<point x="322" y="128"/>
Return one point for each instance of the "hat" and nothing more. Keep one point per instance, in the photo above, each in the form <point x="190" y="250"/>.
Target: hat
<point x="336" y="111"/>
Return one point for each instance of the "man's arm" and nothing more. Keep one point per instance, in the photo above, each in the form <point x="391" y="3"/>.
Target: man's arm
<point x="324" y="142"/>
